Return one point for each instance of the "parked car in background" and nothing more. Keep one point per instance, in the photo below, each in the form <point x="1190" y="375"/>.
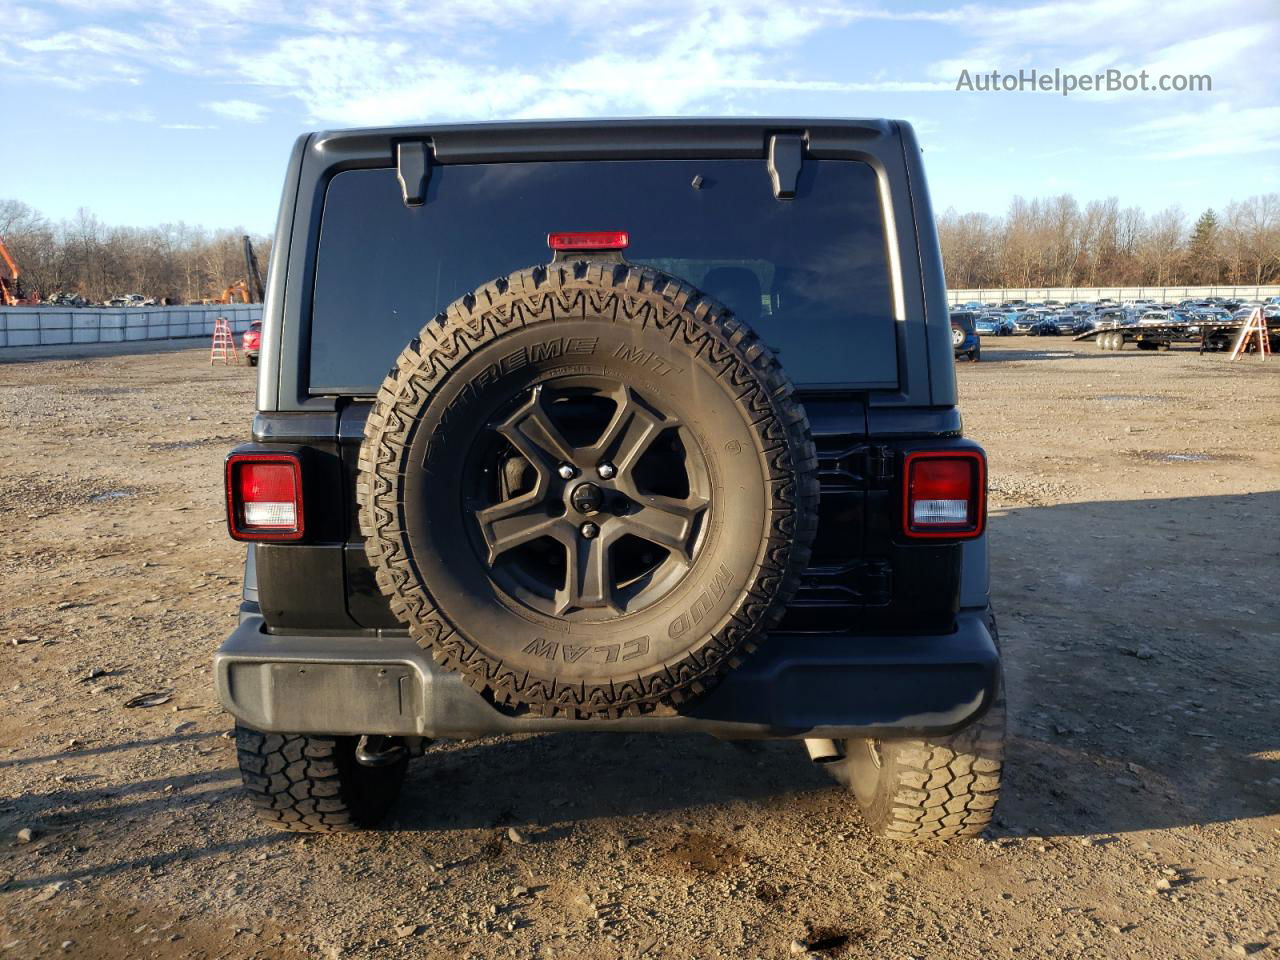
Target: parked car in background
<point x="964" y="335"/>
<point x="66" y="300"/>
<point x="1114" y="317"/>
<point x="1047" y="325"/>
<point x="1213" y="315"/>
<point x="1065" y="322"/>
<point x="127" y="300"/>
<point x="993" y="324"/>
<point x="251" y="342"/>
<point x="1153" y="318"/>
<point x="1023" y="322"/>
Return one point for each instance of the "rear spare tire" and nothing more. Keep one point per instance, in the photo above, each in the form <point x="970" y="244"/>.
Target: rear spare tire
<point x="588" y="489"/>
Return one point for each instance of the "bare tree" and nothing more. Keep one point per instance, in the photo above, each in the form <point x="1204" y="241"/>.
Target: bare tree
<point x="1251" y="237"/>
<point x="86" y="257"/>
<point x="1039" y="242"/>
<point x="1052" y="242"/>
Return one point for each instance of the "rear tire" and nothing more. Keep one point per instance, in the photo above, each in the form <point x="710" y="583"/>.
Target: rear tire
<point x="939" y="788"/>
<point x="307" y="783"/>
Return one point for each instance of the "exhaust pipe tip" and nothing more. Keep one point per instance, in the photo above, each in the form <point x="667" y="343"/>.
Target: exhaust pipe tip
<point x="823" y="751"/>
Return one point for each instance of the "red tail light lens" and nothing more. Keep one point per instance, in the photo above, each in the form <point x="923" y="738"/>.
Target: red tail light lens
<point x="945" y="494"/>
<point x="589" y="240"/>
<point x="264" y="496"/>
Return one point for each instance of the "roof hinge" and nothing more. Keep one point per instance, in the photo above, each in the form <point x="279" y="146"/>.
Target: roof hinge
<point x="786" y="155"/>
<point x="413" y="168"/>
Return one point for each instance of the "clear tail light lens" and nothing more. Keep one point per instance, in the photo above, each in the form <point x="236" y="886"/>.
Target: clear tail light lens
<point x="944" y="494"/>
<point x="264" y="496"/>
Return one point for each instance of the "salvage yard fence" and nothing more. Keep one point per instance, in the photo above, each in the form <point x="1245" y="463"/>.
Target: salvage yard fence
<point x="1068" y="294"/>
<point x="52" y="326"/>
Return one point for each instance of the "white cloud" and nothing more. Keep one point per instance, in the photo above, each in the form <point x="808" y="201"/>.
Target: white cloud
<point x="1221" y="130"/>
<point x="92" y="40"/>
<point x="244" y="110"/>
<point x="122" y="117"/>
<point x="368" y="62"/>
<point x="20" y="21"/>
<point x="1235" y="42"/>
<point x="670" y="57"/>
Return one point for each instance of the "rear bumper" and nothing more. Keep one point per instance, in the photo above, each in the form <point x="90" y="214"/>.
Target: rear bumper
<point x="795" y="686"/>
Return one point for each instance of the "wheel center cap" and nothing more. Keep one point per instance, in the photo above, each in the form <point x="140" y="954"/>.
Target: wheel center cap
<point x="586" y="498"/>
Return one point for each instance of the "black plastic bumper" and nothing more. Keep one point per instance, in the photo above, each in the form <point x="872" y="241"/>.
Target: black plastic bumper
<point x="827" y="686"/>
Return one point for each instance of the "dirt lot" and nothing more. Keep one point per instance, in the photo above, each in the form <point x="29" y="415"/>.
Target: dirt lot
<point x="1135" y="557"/>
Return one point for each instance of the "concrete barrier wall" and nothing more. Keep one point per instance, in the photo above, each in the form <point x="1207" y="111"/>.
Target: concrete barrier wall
<point x="1067" y="294"/>
<point x="49" y="326"/>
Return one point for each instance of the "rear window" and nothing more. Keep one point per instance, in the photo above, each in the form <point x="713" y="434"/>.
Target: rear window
<point x="811" y="275"/>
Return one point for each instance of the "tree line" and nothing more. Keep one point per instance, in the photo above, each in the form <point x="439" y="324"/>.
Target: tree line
<point x="86" y="257"/>
<point x="1054" y="242"/>
<point x="1040" y="242"/>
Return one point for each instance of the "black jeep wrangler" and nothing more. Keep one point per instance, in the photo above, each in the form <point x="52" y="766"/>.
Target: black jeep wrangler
<point x="643" y="426"/>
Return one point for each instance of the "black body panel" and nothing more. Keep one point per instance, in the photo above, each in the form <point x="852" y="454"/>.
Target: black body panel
<point x="863" y="578"/>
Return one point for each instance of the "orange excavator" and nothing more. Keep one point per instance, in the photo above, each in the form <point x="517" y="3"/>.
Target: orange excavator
<point x="248" y="290"/>
<point x="11" y="294"/>
<point x="238" y="292"/>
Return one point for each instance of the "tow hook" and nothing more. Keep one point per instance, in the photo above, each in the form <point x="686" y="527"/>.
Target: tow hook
<point x="377" y="750"/>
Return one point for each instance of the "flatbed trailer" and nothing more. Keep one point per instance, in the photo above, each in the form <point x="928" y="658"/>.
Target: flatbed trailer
<point x="1161" y="336"/>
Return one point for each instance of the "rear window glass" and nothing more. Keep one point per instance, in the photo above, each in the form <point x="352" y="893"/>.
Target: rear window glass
<point x="810" y="275"/>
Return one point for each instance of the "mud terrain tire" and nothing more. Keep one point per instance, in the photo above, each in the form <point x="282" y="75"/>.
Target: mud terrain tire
<point x="307" y="783"/>
<point x="936" y="789"/>
<point x="510" y="589"/>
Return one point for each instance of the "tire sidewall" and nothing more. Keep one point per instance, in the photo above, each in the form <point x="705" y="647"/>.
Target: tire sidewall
<point x="438" y="527"/>
<point x="870" y="783"/>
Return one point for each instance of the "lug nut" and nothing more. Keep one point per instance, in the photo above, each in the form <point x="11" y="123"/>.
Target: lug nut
<point x="589" y="530"/>
<point x="566" y="471"/>
<point x="607" y="471"/>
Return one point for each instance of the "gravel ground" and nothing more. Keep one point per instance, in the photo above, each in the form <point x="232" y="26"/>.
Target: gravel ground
<point x="1134" y="556"/>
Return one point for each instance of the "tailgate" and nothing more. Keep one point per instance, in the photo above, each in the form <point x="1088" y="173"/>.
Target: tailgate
<point x="861" y="578"/>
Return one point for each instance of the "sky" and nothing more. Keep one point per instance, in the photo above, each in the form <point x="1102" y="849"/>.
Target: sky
<point x="156" y="111"/>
